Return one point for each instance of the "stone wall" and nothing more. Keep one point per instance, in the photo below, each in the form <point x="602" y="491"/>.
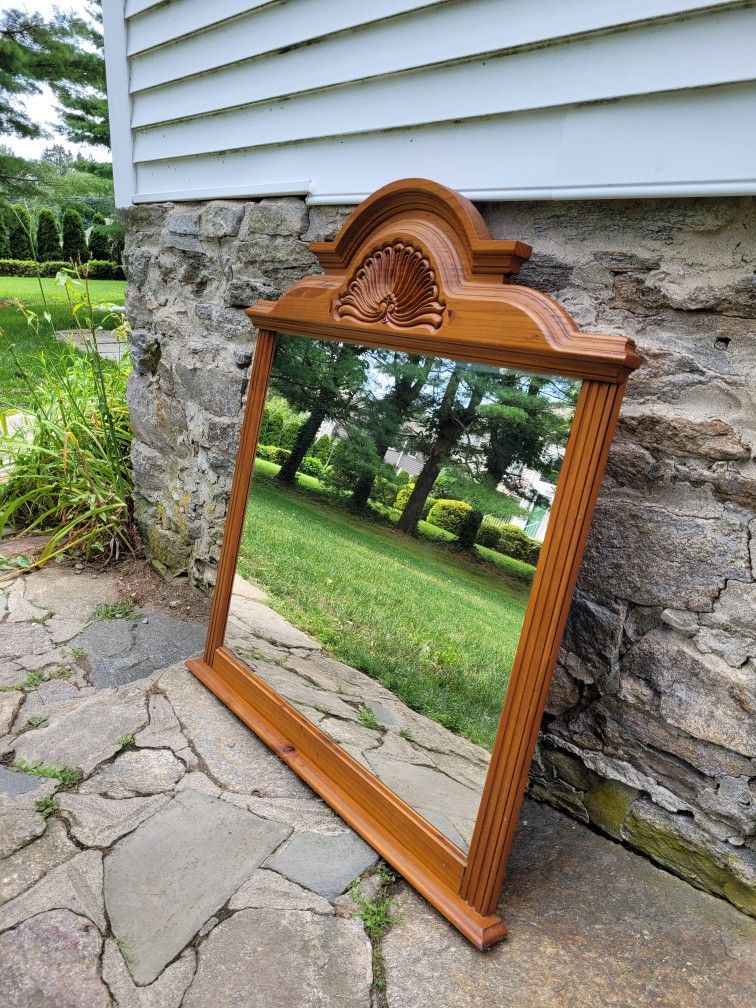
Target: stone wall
<point x="650" y="727"/>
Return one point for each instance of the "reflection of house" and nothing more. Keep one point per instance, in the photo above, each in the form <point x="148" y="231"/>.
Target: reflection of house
<point x="537" y="498"/>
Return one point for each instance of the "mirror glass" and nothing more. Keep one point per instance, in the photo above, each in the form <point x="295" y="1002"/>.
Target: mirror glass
<point x="393" y="529"/>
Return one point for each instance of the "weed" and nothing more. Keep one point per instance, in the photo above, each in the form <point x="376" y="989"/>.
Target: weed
<point x="46" y="806"/>
<point x="113" y="610"/>
<point x="66" y="672"/>
<point x="125" y="740"/>
<point x="377" y="915"/>
<point x="37" y="721"/>
<point x="66" y="775"/>
<point x="368" y="718"/>
<point x="405" y="733"/>
<point x="77" y="653"/>
<point x="31" y="682"/>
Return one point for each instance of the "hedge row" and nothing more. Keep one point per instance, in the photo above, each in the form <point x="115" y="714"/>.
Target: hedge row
<point x="97" y="269"/>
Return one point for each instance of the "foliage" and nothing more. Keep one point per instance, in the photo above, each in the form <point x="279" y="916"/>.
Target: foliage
<point x="354" y="458"/>
<point x="280" y="423"/>
<point x="20" y="232"/>
<point x="113" y="610"/>
<point x="368" y="718"/>
<point x="323" y="447"/>
<point x="377" y="915"/>
<point x="106" y="241"/>
<point x="48" y="237"/>
<point x="384" y="491"/>
<point x="96" y="269"/>
<point x="272" y="453"/>
<point x="403" y="496"/>
<point x="312" y="466"/>
<point x="516" y="543"/>
<point x="83" y="98"/>
<point x="58" y="157"/>
<point x="449" y="514"/>
<point x="38" y="348"/>
<point x="67" y="463"/>
<point x="74" y="239"/>
<point x="489" y="535"/>
<point x="67" y="776"/>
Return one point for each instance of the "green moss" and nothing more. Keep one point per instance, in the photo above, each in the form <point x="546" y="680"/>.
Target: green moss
<point x="607" y="802"/>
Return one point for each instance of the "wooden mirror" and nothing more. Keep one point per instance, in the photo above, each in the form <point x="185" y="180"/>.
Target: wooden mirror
<point x="428" y="442"/>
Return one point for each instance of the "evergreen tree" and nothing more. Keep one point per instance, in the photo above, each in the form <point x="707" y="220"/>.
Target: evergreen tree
<point x="83" y="98"/>
<point x="97" y="218"/>
<point x="59" y="159"/>
<point x="48" y="237"/>
<point x="99" y="242"/>
<point x="19" y="232"/>
<point x="74" y="240"/>
<point x="4" y="243"/>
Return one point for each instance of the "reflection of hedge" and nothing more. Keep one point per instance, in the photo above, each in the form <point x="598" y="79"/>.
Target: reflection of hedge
<point x="312" y="466"/>
<point x="272" y="453"/>
<point x="404" y="495"/>
<point x="488" y="535"/>
<point x="96" y="269"/>
<point x="516" y="543"/>
<point x="449" y="514"/>
<point x="384" y="491"/>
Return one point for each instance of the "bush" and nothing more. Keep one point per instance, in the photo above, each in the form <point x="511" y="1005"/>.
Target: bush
<point x="489" y="535"/>
<point x="74" y="240"/>
<point x="48" y="237"/>
<point x="322" y="448"/>
<point x="384" y="491"/>
<point x="515" y="543"/>
<point x="354" y="458"/>
<point x="272" y="453"/>
<point x="95" y="269"/>
<point x="449" y="515"/>
<point x="280" y="423"/>
<point x="19" y="232"/>
<point x="312" y="466"/>
<point x="99" y="242"/>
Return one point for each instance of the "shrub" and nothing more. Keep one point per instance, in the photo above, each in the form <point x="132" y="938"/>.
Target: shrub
<point x="354" y="458"/>
<point x="19" y="232"/>
<point x="312" y="466"/>
<point x="280" y="423"/>
<point x="4" y="243"/>
<point x="272" y="453"/>
<point x="99" y="242"/>
<point x="384" y="491"/>
<point x="515" y="543"/>
<point x="48" y="237"/>
<point x="449" y="515"/>
<point x="95" y="269"/>
<point x="488" y="535"/>
<point x="74" y="239"/>
<point x="322" y="448"/>
<point x="66" y="469"/>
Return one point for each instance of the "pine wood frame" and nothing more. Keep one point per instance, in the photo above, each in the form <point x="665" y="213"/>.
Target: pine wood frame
<point x="415" y="269"/>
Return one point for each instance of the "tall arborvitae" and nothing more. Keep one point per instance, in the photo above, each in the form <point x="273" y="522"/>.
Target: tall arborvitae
<point x="19" y="232"/>
<point x="48" y="237"/>
<point x="4" y="243"/>
<point x="99" y="242"/>
<point x="74" y="239"/>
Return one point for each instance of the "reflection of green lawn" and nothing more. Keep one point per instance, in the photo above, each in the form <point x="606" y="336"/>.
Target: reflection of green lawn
<point x="438" y="631"/>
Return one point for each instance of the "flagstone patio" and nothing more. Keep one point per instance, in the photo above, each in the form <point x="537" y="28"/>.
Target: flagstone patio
<point x="168" y="859"/>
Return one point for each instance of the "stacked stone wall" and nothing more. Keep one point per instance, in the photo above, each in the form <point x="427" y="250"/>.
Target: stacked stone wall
<point x="650" y="729"/>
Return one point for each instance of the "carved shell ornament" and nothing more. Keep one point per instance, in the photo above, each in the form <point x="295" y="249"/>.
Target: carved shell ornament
<point x="396" y="285"/>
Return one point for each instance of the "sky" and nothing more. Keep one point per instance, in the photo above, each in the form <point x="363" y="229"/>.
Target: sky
<point x="42" y="107"/>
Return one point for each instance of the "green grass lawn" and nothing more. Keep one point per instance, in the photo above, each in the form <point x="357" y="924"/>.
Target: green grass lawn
<point x="437" y="630"/>
<point x="27" y="345"/>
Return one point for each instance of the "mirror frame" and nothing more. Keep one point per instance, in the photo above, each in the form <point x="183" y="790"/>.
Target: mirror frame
<point x="459" y="306"/>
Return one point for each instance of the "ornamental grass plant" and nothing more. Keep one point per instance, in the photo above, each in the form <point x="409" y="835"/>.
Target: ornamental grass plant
<point x="64" y="458"/>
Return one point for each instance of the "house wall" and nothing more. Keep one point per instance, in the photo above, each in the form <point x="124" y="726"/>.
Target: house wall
<point x="495" y="98"/>
<point x="650" y="730"/>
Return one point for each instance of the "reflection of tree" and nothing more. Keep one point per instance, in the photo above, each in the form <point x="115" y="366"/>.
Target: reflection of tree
<point x="385" y="416"/>
<point x="320" y="378"/>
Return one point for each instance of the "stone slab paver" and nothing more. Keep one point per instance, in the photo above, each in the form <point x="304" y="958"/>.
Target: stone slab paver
<point x="268" y="890"/>
<point x="144" y="772"/>
<point x="166" y="992"/>
<point x="98" y="822"/>
<point x="21" y="870"/>
<point x="261" y="958"/>
<point x="75" y="885"/>
<point x="13" y="782"/>
<point x="326" y="865"/>
<point x="64" y="592"/>
<point x="123" y="650"/>
<point x="591" y="925"/>
<point x="87" y="732"/>
<point x="9" y="705"/>
<point x="164" y="880"/>
<point x="52" y="961"/>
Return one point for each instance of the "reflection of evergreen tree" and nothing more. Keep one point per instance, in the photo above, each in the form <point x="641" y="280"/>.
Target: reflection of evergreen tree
<point x="320" y="378"/>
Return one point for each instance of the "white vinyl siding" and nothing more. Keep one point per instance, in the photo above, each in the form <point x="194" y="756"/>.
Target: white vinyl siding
<point x="500" y="99"/>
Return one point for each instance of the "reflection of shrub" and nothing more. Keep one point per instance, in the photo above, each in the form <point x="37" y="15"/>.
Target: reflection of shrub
<point x="272" y="453"/>
<point x="384" y="491"/>
<point x="311" y="466"/>
<point x="280" y="423"/>
<point x="354" y="459"/>
<point x="515" y="543"/>
<point x="488" y="535"/>
<point x="449" y="514"/>
<point x="322" y="448"/>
